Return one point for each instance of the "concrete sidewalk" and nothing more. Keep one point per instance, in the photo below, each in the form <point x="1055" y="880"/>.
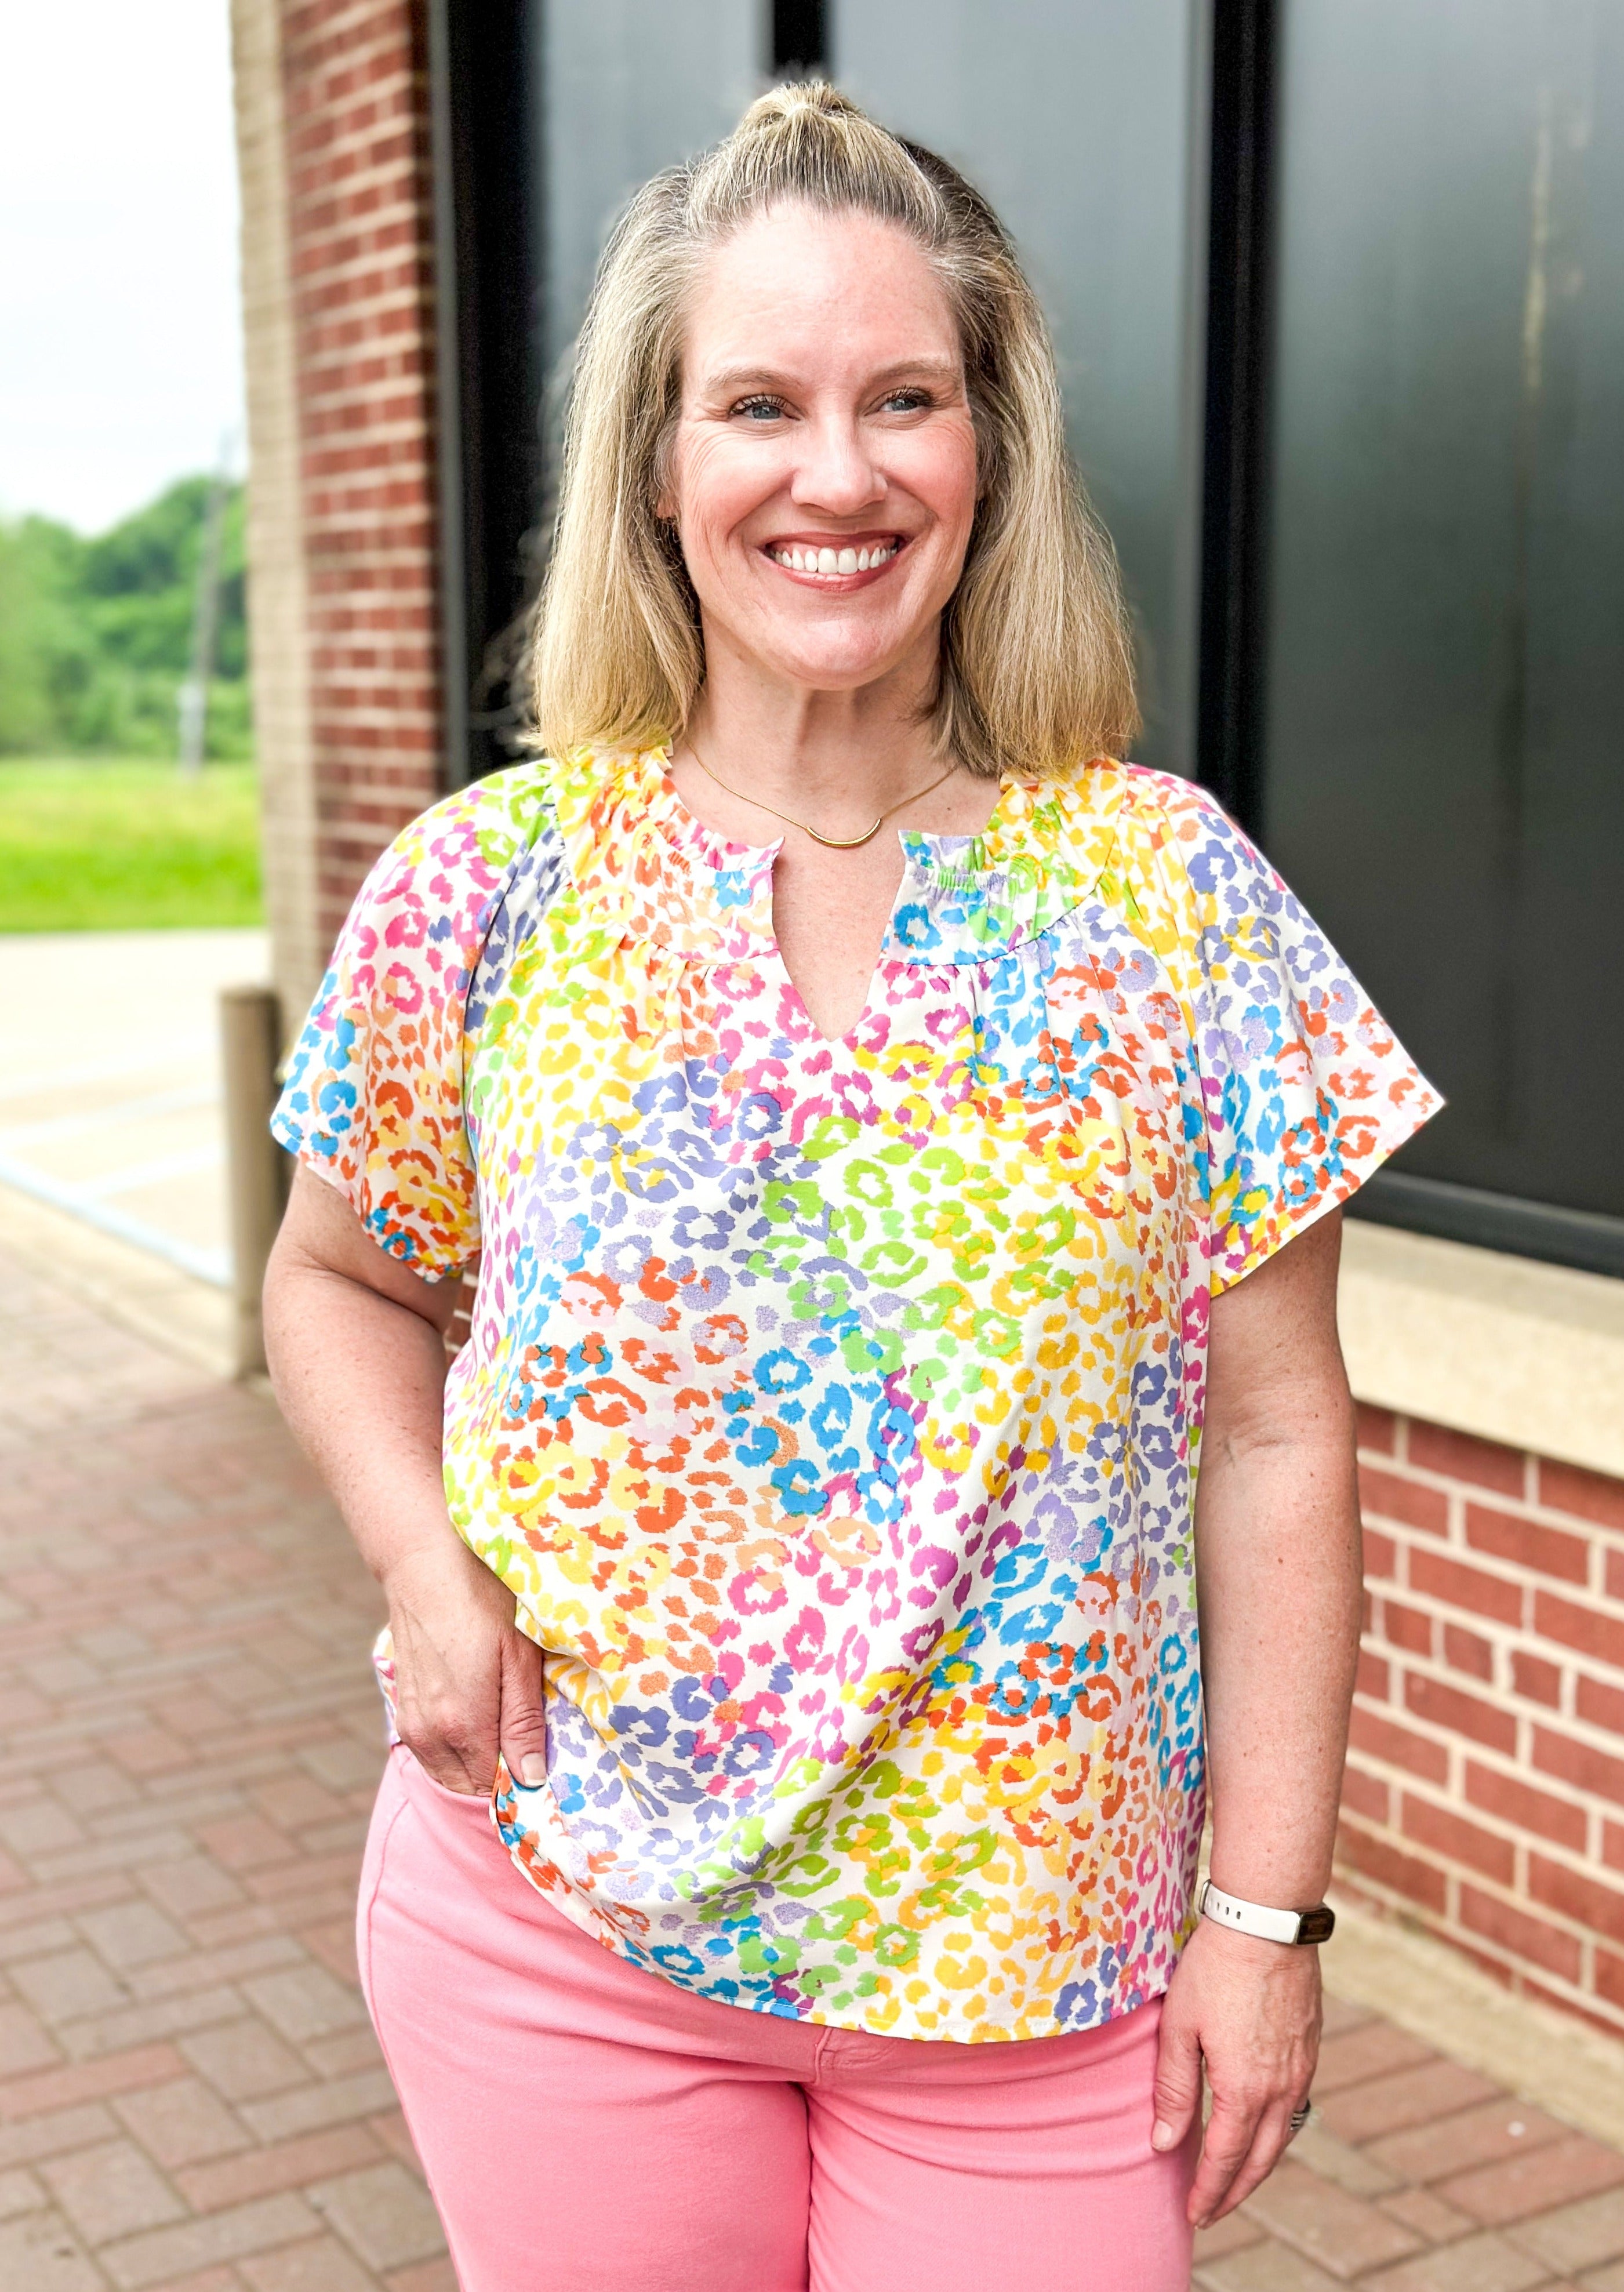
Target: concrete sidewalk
<point x="190" y="2098"/>
<point x="112" y="1144"/>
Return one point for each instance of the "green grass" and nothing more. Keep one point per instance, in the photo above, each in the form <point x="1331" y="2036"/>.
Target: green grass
<point x="88" y="845"/>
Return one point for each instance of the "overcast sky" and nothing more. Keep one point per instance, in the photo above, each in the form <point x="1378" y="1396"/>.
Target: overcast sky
<point x="120" y="340"/>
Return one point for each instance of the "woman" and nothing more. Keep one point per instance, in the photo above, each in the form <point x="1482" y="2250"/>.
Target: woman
<point x="893" y="1135"/>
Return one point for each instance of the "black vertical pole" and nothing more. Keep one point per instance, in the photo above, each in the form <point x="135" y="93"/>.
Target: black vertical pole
<point x="799" y="38"/>
<point x="488" y="237"/>
<point x="1235" y="474"/>
<point x="452" y="508"/>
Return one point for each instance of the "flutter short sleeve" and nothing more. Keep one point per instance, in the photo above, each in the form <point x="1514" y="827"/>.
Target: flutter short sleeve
<point x="1305" y="1088"/>
<point x="374" y="1097"/>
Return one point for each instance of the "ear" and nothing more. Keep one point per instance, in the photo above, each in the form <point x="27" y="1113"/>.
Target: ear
<point x="986" y="450"/>
<point x="663" y="472"/>
<point x="660" y="476"/>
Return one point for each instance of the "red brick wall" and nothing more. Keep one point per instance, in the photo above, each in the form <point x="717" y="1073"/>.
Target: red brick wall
<point x="360" y="224"/>
<point x="1485" y="1789"/>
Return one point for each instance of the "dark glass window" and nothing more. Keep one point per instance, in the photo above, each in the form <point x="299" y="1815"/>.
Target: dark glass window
<point x="1080" y="119"/>
<point x="1443" y="655"/>
<point x="629" y="87"/>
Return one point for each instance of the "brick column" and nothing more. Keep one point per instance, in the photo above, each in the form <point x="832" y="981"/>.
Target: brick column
<point x="342" y="353"/>
<point x="360" y="219"/>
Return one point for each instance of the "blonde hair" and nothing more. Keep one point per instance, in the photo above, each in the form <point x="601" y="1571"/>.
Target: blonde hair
<point x="1036" y="663"/>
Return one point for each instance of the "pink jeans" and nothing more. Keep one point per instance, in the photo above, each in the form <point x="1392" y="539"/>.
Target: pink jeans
<point x="587" y="2126"/>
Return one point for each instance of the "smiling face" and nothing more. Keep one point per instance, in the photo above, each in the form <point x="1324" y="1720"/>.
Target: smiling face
<point x="823" y="474"/>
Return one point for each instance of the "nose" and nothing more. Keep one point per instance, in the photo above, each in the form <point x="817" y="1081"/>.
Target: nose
<point x="834" y="472"/>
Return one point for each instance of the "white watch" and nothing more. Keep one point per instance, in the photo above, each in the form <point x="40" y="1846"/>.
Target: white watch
<point x="1314" y="1926"/>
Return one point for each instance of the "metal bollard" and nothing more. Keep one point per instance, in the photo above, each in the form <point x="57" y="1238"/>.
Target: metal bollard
<point x="257" y="1169"/>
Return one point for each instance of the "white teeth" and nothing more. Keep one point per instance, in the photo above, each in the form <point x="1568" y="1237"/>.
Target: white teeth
<point x="834" y="561"/>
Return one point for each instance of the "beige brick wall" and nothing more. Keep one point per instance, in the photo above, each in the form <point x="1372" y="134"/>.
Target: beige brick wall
<point x="278" y="603"/>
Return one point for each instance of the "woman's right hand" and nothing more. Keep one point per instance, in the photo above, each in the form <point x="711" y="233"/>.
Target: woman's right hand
<point x="467" y="1679"/>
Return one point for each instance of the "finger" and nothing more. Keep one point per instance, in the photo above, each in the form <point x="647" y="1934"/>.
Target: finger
<point x="1230" y="2131"/>
<point x="1270" y="2142"/>
<point x="455" y="1744"/>
<point x="524" y="1723"/>
<point x="1178" y="2083"/>
<point x="449" y="1759"/>
<point x="456" y="1779"/>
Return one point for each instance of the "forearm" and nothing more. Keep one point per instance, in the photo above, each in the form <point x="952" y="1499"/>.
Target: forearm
<point x="1279" y="1578"/>
<point x="357" y="1351"/>
<point x="361" y="1380"/>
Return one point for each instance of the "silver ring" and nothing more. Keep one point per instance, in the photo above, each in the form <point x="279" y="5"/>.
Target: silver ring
<point x="1299" y="2118"/>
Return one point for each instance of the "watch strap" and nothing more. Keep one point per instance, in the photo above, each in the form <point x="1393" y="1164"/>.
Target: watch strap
<point x="1314" y="1926"/>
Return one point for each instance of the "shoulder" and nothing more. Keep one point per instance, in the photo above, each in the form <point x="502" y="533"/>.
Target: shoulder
<point x="1231" y="915"/>
<point x="1205" y="863"/>
<point x="1147" y="824"/>
<point x="1129" y="805"/>
<point x="1061" y="827"/>
<point x="1166" y="860"/>
<point x="1179" y="816"/>
<point x="439" y="882"/>
<point x="466" y="844"/>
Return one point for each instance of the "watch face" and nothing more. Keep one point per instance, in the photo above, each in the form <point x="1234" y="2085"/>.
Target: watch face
<point x="1317" y="1925"/>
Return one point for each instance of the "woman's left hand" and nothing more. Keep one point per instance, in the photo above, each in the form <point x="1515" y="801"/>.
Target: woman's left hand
<point x="1250" y="2009"/>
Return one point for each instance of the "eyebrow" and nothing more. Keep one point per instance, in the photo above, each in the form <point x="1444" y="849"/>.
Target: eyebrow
<point x="730" y="379"/>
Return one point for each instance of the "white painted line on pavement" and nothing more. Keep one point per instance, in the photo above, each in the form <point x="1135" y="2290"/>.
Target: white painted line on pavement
<point x="211" y="1265"/>
<point x="105" y="1117"/>
<point x="133" y="1175"/>
<point x="183" y="1051"/>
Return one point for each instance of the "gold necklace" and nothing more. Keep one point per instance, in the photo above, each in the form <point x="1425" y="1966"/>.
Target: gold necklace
<point x="833" y="843"/>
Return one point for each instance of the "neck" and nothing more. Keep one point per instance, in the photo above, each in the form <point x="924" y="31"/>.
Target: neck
<point x="826" y="752"/>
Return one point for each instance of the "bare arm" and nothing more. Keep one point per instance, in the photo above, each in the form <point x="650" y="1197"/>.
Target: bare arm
<point x="357" y="1352"/>
<point x="1279" y="1574"/>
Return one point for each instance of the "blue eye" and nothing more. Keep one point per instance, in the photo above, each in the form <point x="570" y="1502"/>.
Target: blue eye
<point x="760" y="409"/>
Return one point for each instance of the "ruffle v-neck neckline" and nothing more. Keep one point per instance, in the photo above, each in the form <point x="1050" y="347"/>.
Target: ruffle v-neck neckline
<point x="644" y="862"/>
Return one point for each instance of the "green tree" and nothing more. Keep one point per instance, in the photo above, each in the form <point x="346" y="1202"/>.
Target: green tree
<point x="96" y="635"/>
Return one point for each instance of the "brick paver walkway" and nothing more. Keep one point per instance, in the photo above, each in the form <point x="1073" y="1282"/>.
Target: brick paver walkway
<point x="189" y="2094"/>
<point x="190" y="2099"/>
<point x="1418" y="2176"/>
